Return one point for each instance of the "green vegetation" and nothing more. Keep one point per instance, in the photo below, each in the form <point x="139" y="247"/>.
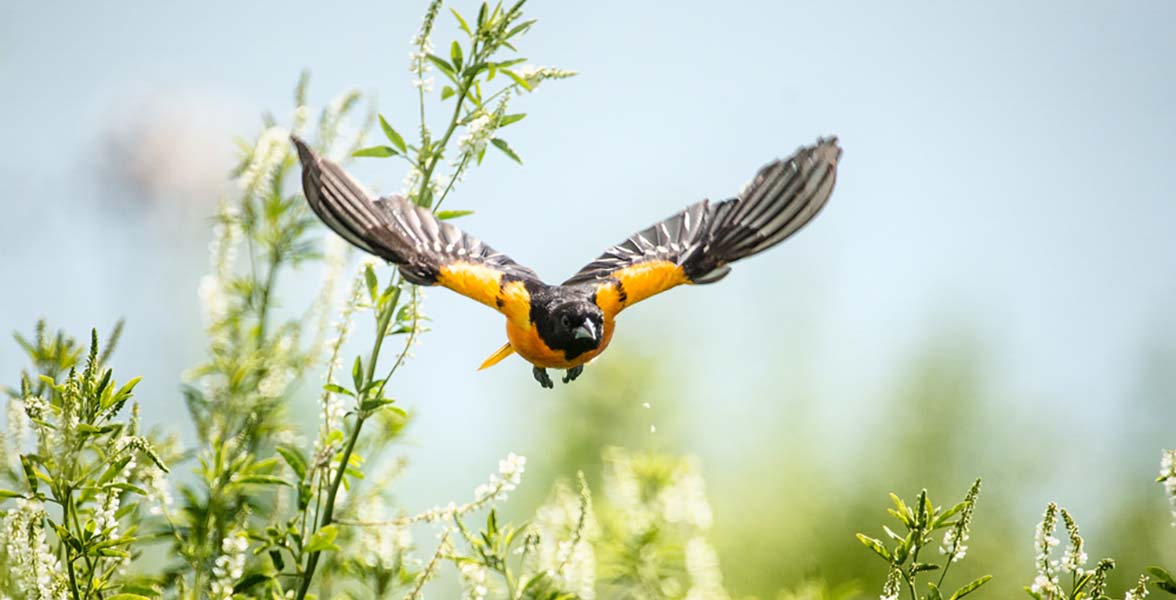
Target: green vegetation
<point x="255" y="506"/>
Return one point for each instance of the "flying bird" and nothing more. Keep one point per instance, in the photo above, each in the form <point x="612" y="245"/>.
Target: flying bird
<point x="567" y="325"/>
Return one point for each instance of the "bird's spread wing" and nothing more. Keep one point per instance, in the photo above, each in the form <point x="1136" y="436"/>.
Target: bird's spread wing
<point x="428" y="251"/>
<point x="697" y="244"/>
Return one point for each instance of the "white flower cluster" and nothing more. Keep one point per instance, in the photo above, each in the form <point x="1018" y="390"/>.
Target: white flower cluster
<point x="679" y="500"/>
<point x="567" y="556"/>
<point x="478" y="132"/>
<point x="955" y="544"/>
<point x="381" y="546"/>
<point x="892" y="587"/>
<point x="335" y="254"/>
<point x="1046" y="582"/>
<point x="418" y="65"/>
<point x="268" y="154"/>
<point x="18" y="427"/>
<point x="1074" y="558"/>
<point x="158" y="490"/>
<point x="229" y="566"/>
<point x="702" y="564"/>
<point x="473" y="578"/>
<point x="33" y="566"/>
<point x="1139" y="592"/>
<point x="1168" y="478"/>
<point x="275" y="381"/>
<point x="108" y="500"/>
<point x="684" y="500"/>
<point x="535" y="75"/>
<point x="510" y="474"/>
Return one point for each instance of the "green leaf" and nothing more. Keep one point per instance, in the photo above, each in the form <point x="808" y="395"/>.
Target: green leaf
<point x="357" y="373"/>
<point x="10" y="494"/>
<point x="375" y="403"/>
<point x="508" y="119"/>
<point x="447" y="92"/>
<point x="1164" y="580"/>
<point x="875" y="545"/>
<point x="249" y="581"/>
<point x="971" y="587"/>
<point x="127" y="597"/>
<point x="455" y="55"/>
<point x="452" y="214"/>
<point x="934" y="595"/>
<point x="263" y="479"/>
<point x="519" y="80"/>
<point x="441" y="64"/>
<point x="293" y="457"/>
<point x="335" y="388"/>
<point x="502" y="145"/>
<point x="392" y="135"/>
<point x="941" y="520"/>
<point x="376" y="152"/>
<point x="323" y="539"/>
<point x="461" y="22"/>
<point x="373" y="284"/>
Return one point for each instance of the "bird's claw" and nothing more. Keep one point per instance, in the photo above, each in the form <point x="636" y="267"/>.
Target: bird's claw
<point x="573" y="373"/>
<point x="542" y="377"/>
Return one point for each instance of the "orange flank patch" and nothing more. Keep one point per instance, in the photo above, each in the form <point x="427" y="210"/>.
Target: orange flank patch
<point x="635" y="283"/>
<point x="526" y="341"/>
<point x="484" y="284"/>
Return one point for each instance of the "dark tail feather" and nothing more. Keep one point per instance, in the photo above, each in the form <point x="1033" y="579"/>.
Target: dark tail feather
<point x="784" y="196"/>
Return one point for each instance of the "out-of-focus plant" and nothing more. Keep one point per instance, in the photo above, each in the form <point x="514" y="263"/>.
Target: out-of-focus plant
<point x="85" y="484"/>
<point x="920" y="521"/>
<point x="1054" y="576"/>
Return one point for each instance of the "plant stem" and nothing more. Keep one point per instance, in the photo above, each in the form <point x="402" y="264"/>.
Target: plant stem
<point x="329" y="509"/>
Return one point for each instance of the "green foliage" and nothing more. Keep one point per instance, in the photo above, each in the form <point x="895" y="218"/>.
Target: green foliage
<point x="90" y="482"/>
<point x="919" y="522"/>
<point x="266" y="510"/>
<point x="479" y="103"/>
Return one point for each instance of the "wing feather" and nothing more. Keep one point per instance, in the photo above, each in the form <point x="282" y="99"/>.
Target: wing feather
<point x="698" y="244"/>
<point x="426" y="250"/>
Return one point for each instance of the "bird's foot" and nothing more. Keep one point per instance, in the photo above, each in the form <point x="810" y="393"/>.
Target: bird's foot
<point x="573" y="373"/>
<point x="542" y="377"/>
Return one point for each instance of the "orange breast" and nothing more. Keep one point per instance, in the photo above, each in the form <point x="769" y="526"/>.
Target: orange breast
<point x="526" y="341"/>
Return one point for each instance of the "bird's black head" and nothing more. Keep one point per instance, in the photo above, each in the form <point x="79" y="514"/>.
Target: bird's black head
<point x="574" y="326"/>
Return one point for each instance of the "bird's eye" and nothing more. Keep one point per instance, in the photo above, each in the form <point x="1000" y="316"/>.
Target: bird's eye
<point x="565" y="321"/>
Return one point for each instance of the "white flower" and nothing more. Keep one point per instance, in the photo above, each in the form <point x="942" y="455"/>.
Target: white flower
<point x="473" y="577"/>
<point x="956" y="548"/>
<point x="477" y="134"/>
<point x="32" y="563"/>
<point x="702" y="564"/>
<point x="534" y="75"/>
<point x="229" y="566"/>
<point x="892" y="587"/>
<point x="1168" y="478"/>
<point x="424" y="84"/>
<point x="274" y="383"/>
<point x="684" y="499"/>
<point x="268" y="154"/>
<point x="158" y="490"/>
<point x="560" y="549"/>
<point x="18" y="425"/>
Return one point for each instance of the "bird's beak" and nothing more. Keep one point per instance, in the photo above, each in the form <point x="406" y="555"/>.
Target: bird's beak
<point x="585" y="331"/>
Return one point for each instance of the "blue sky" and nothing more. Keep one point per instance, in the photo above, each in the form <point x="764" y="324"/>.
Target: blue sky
<point x="1007" y="167"/>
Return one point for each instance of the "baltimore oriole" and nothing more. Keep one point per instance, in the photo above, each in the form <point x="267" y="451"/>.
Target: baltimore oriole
<point x="564" y="326"/>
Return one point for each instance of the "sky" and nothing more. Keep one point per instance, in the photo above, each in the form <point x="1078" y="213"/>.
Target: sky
<point x="1007" y="170"/>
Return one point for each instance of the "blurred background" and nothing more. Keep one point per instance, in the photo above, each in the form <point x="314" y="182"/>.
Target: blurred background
<point x="990" y="292"/>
